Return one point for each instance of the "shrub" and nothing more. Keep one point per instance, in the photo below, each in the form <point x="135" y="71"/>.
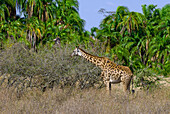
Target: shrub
<point x="46" y="68"/>
<point x="146" y="79"/>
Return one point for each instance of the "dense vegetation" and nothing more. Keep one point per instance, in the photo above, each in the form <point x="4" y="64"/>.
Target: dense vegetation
<point x="140" y="40"/>
<point x="35" y="42"/>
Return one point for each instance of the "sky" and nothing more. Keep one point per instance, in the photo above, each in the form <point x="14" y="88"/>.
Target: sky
<point x="88" y="9"/>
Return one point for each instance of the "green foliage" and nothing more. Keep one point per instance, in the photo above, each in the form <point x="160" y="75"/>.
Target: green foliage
<point x="138" y="40"/>
<point x="43" y="21"/>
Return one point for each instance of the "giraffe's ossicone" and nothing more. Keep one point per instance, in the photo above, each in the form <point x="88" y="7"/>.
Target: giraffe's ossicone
<point x="111" y="72"/>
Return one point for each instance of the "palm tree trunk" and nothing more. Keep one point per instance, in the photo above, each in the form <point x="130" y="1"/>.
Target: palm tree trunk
<point x="29" y="33"/>
<point x="146" y="52"/>
<point x="147" y="45"/>
<point x="34" y="41"/>
<point x="30" y="11"/>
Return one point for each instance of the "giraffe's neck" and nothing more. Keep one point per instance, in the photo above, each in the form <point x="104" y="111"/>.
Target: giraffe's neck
<point x="98" y="61"/>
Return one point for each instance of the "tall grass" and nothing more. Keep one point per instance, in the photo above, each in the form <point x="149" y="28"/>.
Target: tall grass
<point x="86" y="101"/>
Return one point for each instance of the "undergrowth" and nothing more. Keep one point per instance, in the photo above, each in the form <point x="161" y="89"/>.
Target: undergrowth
<point x="47" y="68"/>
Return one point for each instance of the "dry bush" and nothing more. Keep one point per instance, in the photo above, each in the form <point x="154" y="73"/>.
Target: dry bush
<point x="147" y="79"/>
<point x="46" y="68"/>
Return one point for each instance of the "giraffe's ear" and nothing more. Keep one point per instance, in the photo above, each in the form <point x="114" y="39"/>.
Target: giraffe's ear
<point x="77" y="47"/>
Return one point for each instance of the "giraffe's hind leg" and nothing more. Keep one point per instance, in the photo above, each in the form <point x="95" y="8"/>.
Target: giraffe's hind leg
<point x="126" y="85"/>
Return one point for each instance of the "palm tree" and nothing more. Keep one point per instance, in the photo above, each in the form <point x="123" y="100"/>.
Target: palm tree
<point x="26" y="7"/>
<point x="45" y="9"/>
<point x="130" y="22"/>
<point x="35" y="30"/>
<point x="11" y="5"/>
<point x="159" y="44"/>
<point x="4" y="12"/>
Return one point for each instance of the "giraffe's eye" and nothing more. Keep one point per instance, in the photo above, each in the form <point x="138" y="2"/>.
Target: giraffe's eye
<point x="74" y="51"/>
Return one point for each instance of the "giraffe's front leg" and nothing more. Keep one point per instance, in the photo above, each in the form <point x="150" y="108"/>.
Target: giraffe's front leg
<point x="109" y="87"/>
<point x="106" y="80"/>
<point x="107" y="83"/>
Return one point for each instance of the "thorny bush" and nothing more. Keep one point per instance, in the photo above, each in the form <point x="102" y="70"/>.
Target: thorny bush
<point x="47" y="68"/>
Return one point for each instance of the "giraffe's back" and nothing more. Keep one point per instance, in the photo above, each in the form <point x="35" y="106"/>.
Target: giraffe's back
<point x="114" y="67"/>
<point x="125" y="68"/>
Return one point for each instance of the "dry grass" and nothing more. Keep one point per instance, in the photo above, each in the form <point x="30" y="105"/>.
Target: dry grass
<point x="85" y="101"/>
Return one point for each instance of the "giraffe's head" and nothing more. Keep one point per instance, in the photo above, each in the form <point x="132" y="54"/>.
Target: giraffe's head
<point x="76" y="52"/>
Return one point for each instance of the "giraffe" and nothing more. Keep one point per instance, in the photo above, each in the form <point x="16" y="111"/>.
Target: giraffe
<point x="111" y="72"/>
